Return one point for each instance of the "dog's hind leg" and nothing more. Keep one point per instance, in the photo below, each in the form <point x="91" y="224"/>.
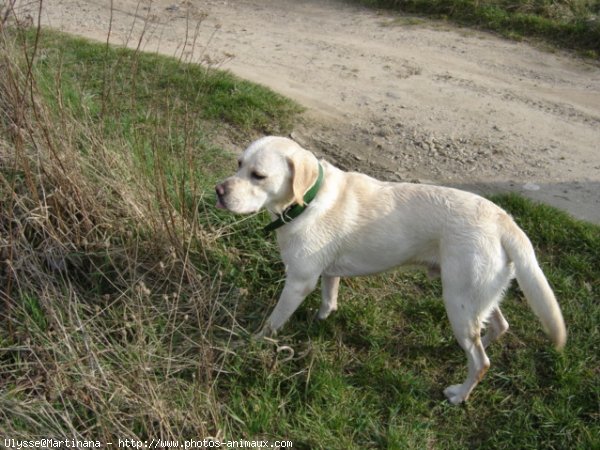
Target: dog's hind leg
<point x="474" y="279"/>
<point x="329" y="289"/>
<point x="466" y="323"/>
<point x="497" y="327"/>
<point x="478" y="364"/>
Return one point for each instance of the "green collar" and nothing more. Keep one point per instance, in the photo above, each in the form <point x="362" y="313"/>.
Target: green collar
<point x="294" y="210"/>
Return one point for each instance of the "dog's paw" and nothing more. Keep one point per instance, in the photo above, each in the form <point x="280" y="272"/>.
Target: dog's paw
<point x="325" y="312"/>
<point x="455" y="394"/>
<point x="266" y="332"/>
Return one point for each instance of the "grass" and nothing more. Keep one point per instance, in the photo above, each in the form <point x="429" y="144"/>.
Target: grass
<point x="128" y="299"/>
<point x="573" y="24"/>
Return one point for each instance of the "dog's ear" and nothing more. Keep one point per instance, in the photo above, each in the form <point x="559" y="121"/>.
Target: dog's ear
<point x="305" y="170"/>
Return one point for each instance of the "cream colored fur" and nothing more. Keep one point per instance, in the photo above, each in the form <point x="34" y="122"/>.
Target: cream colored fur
<point x="357" y="225"/>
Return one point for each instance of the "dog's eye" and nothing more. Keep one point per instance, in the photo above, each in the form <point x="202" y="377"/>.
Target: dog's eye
<point x="258" y="176"/>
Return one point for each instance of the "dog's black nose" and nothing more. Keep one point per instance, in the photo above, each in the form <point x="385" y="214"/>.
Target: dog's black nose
<point x="220" y="190"/>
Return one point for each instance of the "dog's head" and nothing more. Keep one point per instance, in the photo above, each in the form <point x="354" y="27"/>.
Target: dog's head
<point x="273" y="172"/>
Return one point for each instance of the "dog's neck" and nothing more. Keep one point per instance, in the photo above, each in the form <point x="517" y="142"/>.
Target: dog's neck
<point x="294" y="209"/>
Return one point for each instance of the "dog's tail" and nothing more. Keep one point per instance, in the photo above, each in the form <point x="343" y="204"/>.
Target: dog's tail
<point x="532" y="281"/>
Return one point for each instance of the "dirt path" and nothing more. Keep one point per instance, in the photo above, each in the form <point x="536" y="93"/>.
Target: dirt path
<point x="400" y="98"/>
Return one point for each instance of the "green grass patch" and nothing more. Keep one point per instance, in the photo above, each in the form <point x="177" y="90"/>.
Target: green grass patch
<point x="129" y="299"/>
<point x="127" y="89"/>
<point x="569" y="24"/>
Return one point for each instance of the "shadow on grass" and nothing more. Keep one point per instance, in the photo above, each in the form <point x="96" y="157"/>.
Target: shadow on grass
<point x="581" y="199"/>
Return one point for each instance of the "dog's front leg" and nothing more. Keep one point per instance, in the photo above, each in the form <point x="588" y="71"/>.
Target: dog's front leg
<point x="294" y="292"/>
<point x="329" y="287"/>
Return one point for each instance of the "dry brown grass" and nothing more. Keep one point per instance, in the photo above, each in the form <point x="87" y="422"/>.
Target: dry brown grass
<point x="105" y="320"/>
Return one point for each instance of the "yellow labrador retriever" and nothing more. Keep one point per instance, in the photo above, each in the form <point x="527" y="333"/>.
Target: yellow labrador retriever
<point x="332" y="224"/>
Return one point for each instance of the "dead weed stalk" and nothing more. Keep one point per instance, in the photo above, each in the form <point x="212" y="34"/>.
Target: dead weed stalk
<point x="104" y="321"/>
